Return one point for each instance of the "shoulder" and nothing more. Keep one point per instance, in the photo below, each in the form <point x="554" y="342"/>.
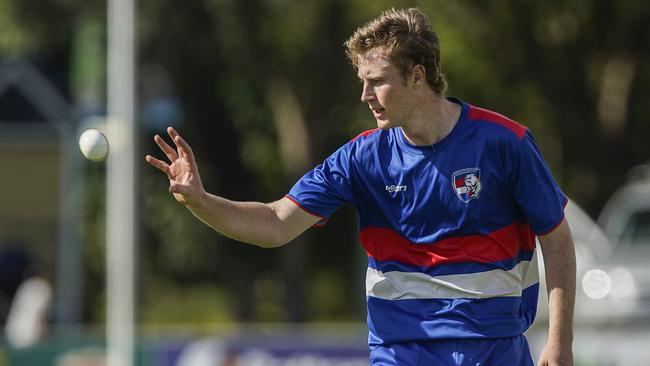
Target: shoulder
<point x="365" y="134"/>
<point x="361" y="145"/>
<point x="496" y="123"/>
<point x="365" y="145"/>
<point x="365" y="140"/>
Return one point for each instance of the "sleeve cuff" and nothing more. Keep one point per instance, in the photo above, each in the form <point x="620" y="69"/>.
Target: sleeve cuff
<point x="323" y="219"/>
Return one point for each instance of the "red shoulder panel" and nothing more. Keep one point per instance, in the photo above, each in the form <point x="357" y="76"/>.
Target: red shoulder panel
<point x="365" y="133"/>
<point x="477" y="113"/>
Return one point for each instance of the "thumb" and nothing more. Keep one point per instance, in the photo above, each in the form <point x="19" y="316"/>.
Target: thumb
<point x="178" y="188"/>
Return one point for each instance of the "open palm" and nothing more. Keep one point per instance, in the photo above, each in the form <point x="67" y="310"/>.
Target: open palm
<point x="181" y="170"/>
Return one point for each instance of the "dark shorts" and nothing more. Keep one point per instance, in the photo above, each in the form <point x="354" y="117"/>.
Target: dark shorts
<point x="484" y="352"/>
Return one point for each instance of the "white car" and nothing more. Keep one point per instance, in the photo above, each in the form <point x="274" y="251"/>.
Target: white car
<point x="593" y="251"/>
<point x="611" y="326"/>
<point x="625" y="219"/>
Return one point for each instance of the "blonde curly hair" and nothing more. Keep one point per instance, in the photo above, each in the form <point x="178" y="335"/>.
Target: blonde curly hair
<point x="404" y="36"/>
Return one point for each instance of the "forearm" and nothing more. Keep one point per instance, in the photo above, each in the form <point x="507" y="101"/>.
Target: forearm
<point x="560" y="270"/>
<point x="561" y="295"/>
<point x="263" y="224"/>
<point x="251" y="222"/>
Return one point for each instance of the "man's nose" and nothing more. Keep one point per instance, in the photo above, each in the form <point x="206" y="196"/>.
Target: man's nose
<point x="367" y="93"/>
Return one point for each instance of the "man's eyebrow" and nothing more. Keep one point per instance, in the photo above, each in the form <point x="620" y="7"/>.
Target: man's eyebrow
<point x="371" y="75"/>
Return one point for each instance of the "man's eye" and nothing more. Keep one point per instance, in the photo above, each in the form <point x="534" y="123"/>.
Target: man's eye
<point x="371" y="81"/>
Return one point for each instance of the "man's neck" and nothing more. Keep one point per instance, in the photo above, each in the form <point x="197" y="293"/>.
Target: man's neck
<point x="434" y="120"/>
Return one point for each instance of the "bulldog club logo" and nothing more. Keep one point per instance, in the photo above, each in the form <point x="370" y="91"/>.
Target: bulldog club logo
<point x="467" y="183"/>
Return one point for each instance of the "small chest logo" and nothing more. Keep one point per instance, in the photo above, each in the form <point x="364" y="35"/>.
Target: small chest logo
<point x="467" y="183"/>
<point x="393" y="188"/>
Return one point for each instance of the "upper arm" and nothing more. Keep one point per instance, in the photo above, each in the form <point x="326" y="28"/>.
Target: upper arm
<point x="557" y="238"/>
<point x="559" y="256"/>
<point x="533" y="187"/>
<point x="294" y="219"/>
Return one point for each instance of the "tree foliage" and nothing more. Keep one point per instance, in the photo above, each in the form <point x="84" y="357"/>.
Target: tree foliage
<point x="575" y="72"/>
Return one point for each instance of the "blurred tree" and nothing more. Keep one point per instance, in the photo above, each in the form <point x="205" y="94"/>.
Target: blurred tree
<point x="260" y="90"/>
<point x="575" y="72"/>
<point x="569" y="70"/>
<point x="264" y="93"/>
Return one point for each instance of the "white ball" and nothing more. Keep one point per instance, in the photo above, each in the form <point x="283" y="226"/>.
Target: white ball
<point x="93" y="145"/>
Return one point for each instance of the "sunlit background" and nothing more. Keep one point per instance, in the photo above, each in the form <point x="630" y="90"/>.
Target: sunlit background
<point x="262" y="91"/>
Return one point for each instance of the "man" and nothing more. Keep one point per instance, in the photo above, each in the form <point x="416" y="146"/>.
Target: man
<point x="450" y="198"/>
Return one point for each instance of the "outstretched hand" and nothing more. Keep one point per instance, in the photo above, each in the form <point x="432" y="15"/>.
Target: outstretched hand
<point x="183" y="173"/>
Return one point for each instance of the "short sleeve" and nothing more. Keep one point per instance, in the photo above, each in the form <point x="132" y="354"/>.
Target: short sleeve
<point x="534" y="189"/>
<point x="325" y="188"/>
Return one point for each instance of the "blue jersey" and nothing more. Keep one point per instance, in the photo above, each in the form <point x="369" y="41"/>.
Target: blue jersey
<point x="449" y="229"/>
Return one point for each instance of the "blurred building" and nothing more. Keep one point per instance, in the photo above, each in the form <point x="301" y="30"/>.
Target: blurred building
<point x="38" y="178"/>
<point x="30" y="157"/>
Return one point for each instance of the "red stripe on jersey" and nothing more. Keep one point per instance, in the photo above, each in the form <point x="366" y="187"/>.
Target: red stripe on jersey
<point x="477" y="113"/>
<point x="365" y="133"/>
<point x="388" y="245"/>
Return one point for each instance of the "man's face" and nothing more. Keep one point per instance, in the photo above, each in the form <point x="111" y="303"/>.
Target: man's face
<point x="385" y="91"/>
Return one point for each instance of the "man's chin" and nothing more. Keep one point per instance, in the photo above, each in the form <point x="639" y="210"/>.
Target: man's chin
<point x="384" y="124"/>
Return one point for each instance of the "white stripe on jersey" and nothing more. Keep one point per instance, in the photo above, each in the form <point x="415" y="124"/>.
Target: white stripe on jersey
<point x="395" y="285"/>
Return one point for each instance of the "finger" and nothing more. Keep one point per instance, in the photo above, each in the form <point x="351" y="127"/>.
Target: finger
<point x="168" y="150"/>
<point x="174" y="134"/>
<point x="158" y="164"/>
<point x="184" y="148"/>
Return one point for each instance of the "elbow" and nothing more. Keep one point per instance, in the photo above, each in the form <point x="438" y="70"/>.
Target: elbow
<point x="274" y="242"/>
<point x="271" y="245"/>
<point x="280" y="241"/>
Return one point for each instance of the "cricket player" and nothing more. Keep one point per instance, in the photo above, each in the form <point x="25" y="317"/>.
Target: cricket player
<point x="450" y="199"/>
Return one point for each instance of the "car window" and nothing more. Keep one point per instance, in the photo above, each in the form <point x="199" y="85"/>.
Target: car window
<point x="637" y="230"/>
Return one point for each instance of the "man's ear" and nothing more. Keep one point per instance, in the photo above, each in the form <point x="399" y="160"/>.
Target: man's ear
<point x="418" y="74"/>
